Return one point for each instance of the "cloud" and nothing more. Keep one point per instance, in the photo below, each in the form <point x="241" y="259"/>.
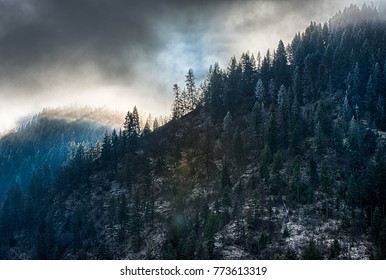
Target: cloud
<point x="55" y="51"/>
<point x="111" y="34"/>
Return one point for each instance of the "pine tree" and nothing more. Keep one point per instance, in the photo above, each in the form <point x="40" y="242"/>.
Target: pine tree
<point x="226" y="185"/>
<point x="227" y="123"/>
<point x="279" y="65"/>
<point x="106" y="149"/>
<point x="266" y="159"/>
<point x="259" y="91"/>
<point x="308" y="75"/>
<point x="146" y="130"/>
<point x="115" y="149"/>
<point x="155" y="124"/>
<point x="297" y="130"/>
<point x="214" y="92"/>
<point x="238" y="147"/>
<point x="184" y="102"/>
<point x="232" y="97"/>
<point x="248" y="74"/>
<point x="373" y="89"/>
<point x="135" y="223"/>
<point x="283" y="114"/>
<point x="136" y="123"/>
<point x="335" y="249"/>
<point x="314" y="178"/>
<point x="380" y="116"/>
<point x="297" y="86"/>
<point x="326" y="177"/>
<point x="312" y="252"/>
<point x="354" y="86"/>
<point x="191" y="91"/>
<point x="257" y="121"/>
<point x="271" y="131"/>
<point x="132" y="129"/>
<point x="225" y="176"/>
<point x="265" y="71"/>
<point x="123" y="218"/>
<point x="177" y="109"/>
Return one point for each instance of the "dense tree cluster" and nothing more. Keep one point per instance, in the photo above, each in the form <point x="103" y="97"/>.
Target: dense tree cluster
<point x="186" y="100"/>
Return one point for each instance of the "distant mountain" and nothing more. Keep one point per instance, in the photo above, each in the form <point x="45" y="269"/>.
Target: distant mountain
<point x="282" y="157"/>
<point x="355" y="15"/>
<point x="47" y="139"/>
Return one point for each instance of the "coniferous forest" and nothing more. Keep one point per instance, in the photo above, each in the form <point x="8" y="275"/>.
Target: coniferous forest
<point x="279" y="155"/>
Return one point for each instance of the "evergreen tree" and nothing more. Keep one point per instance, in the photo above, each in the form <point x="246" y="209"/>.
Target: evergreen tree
<point x="279" y="65"/>
<point x="297" y="86"/>
<point x="214" y="92"/>
<point x="135" y="223"/>
<point x="233" y="96"/>
<point x="177" y="109"/>
<point x="155" y="124"/>
<point x="354" y="86"/>
<point x="146" y="130"/>
<point x="283" y="115"/>
<point x="265" y="71"/>
<point x="380" y="116"/>
<point x="271" y="132"/>
<point x="312" y="252"/>
<point x="123" y="218"/>
<point x="227" y="123"/>
<point x="106" y="149"/>
<point x="225" y="177"/>
<point x="191" y="91"/>
<point x="314" y="178"/>
<point x="326" y="177"/>
<point x="226" y="185"/>
<point x="335" y="249"/>
<point x="266" y="159"/>
<point x="259" y="91"/>
<point x="227" y="130"/>
<point x="238" y="147"/>
<point x="248" y="74"/>
<point x="372" y="89"/>
<point x="132" y="129"/>
<point x="297" y="129"/>
<point x="184" y="102"/>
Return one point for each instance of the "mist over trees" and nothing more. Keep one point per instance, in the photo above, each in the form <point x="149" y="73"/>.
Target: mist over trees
<point x="287" y="144"/>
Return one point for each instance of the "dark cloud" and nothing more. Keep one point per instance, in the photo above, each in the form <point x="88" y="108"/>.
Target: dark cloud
<point x="38" y="33"/>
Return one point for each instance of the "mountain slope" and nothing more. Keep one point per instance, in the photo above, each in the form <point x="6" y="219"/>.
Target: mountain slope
<point x="281" y="159"/>
<point x="46" y="140"/>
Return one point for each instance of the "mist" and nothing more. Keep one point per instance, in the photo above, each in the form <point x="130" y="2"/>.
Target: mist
<point x="118" y="54"/>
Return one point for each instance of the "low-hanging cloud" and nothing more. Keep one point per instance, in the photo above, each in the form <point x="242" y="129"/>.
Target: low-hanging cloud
<point x="52" y="48"/>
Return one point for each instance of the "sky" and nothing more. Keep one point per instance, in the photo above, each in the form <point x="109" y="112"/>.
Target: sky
<point x="122" y="53"/>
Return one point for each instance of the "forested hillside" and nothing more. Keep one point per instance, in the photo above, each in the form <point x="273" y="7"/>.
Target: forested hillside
<point x="280" y="156"/>
<point x="46" y="140"/>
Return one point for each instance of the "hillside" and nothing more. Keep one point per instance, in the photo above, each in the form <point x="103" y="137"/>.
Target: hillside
<point x="280" y="157"/>
<point x="47" y="140"/>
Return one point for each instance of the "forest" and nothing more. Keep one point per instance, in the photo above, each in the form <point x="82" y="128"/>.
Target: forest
<point x="277" y="156"/>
